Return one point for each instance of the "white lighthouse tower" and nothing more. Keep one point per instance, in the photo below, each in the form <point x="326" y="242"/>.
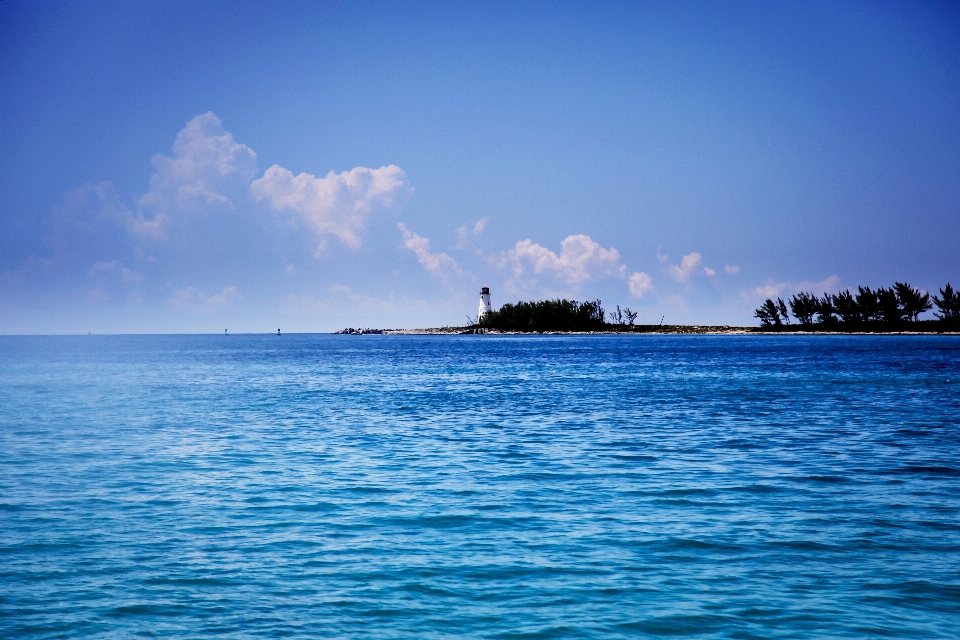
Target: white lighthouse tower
<point x="484" y="304"/>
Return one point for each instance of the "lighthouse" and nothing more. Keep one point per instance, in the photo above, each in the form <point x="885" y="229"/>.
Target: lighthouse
<point x="484" y="304"/>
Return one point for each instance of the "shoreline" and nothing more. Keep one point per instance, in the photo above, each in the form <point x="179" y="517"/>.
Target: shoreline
<point x="639" y="330"/>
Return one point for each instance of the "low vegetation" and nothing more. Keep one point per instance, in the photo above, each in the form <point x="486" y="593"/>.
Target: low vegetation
<point x="884" y="309"/>
<point x="547" y="315"/>
<point x="558" y="315"/>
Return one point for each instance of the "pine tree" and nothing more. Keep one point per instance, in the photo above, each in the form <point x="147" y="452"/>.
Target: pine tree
<point x="846" y="307"/>
<point x="948" y="304"/>
<point x="889" y="305"/>
<point x="804" y="306"/>
<point x="867" y="304"/>
<point x="825" y="310"/>
<point x="912" y="301"/>
<point x="782" y="309"/>
<point x="769" y="314"/>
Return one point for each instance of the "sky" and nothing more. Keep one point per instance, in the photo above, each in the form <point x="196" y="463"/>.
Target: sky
<point x="175" y="166"/>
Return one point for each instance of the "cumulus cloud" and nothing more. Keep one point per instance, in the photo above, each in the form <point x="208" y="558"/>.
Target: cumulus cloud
<point x="710" y="272"/>
<point x="199" y="222"/>
<point x="438" y="264"/>
<point x="731" y="269"/>
<point x="689" y="264"/>
<point x="208" y="169"/>
<point x="336" y="205"/>
<point x="640" y="283"/>
<point x="773" y="289"/>
<point x="207" y="187"/>
<point x="194" y="299"/>
<point x="580" y="259"/>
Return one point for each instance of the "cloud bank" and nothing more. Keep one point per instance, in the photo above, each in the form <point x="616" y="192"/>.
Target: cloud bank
<point x="210" y="225"/>
<point x="205" y="216"/>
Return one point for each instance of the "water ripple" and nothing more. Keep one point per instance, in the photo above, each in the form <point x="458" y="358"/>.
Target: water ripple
<point x="480" y="486"/>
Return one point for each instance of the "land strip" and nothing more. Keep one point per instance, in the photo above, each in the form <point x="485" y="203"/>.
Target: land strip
<point x="657" y="329"/>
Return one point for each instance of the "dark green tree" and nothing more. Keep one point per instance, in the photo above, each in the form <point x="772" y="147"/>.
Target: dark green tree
<point x="547" y="315"/>
<point x="782" y="310"/>
<point x="912" y="301"/>
<point x="768" y="314"/>
<point x="867" y="304"/>
<point x="825" y="310"/>
<point x="889" y="305"/>
<point x="845" y="306"/>
<point x="804" y="306"/>
<point x="948" y="304"/>
<point x="630" y="316"/>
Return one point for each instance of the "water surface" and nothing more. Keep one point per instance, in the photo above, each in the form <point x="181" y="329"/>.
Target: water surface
<point x="480" y="486"/>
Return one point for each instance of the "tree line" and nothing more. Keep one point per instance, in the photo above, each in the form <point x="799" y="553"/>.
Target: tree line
<point x="556" y="315"/>
<point x="883" y="307"/>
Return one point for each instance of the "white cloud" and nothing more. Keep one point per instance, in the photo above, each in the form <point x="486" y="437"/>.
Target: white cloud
<point x="198" y="221"/>
<point x="688" y="266"/>
<point x="580" y="259"/>
<point x="207" y="168"/>
<point x="773" y="289"/>
<point x="207" y="172"/>
<point x="710" y="272"/>
<point x="438" y="264"/>
<point x="465" y="234"/>
<point x="337" y="204"/>
<point x="640" y="283"/>
<point x="662" y="257"/>
<point x="731" y="269"/>
<point x="196" y="300"/>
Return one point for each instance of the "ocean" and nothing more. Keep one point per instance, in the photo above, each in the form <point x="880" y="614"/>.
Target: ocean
<point x="320" y="486"/>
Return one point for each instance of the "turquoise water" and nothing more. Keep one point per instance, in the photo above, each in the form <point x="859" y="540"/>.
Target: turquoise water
<point x="480" y="486"/>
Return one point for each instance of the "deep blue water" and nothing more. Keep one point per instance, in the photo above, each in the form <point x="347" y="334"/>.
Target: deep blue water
<point x="480" y="486"/>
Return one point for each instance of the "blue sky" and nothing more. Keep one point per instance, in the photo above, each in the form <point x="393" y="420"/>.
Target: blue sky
<point x="177" y="166"/>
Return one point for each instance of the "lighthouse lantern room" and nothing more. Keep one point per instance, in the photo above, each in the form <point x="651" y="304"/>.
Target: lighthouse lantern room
<point x="484" y="304"/>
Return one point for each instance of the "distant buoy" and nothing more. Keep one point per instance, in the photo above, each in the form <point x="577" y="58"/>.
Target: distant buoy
<point x="278" y="330"/>
<point x="224" y="332"/>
